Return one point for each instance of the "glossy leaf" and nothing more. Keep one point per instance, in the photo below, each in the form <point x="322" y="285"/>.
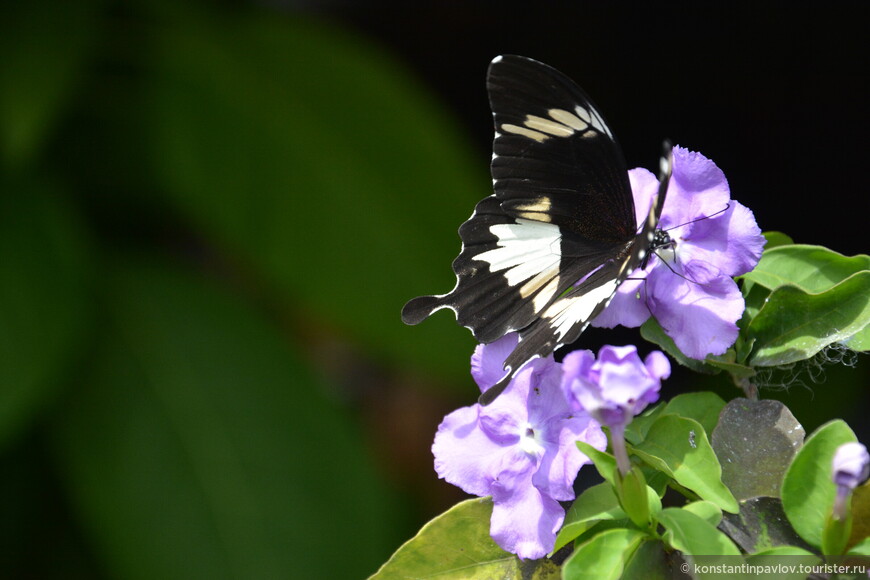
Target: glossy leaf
<point x="705" y="510"/>
<point x="789" y="562"/>
<point x="693" y="535"/>
<point x="200" y="447"/>
<point x="794" y="325"/>
<point x="604" y="462"/>
<point x="862" y="548"/>
<point x="604" y="556"/>
<point x="457" y="545"/>
<point x="776" y="239"/>
<point x="670" y="447"/>
<point x="808" y="490"/>
<point x="813" y="269"/>
<point x="648" y="562"/>
<point x="860" y="513"/>
<point x="595" y="504"/>
<point x="315" y="157"/>
<point x="761" y="525"/>
<point x="44" y="302"/>
<point x="704" y="407"/>
<point x="755" y="442"/>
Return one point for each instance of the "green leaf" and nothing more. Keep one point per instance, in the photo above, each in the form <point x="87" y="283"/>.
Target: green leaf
<point x="760" y="525"/>
<point x="755" y="297"/>
<point x="603" y="462"/>
<point x="679" y="447"/>
<point x="728" y="364"/>
<point x="704" y="407"/>
<point x="860" y="341"/>
<point x="808" y="490"/>
<point x="693" y="535"/>
<point x="648" y="562"/>
<point x="705" y="510"/>
<point x="775" y="239"/>
<point x="753" y="466"/>
<point x="862" y="548"/>
<point x="794" y="325"/>
<point x="200" y="447"/>
<point x="860" y="512"/>
<point x="595" y="504"/>
<point x="604" y="556"/>
<point x="636" y="430"/>
<point x="44" y="48"/>
<point x="44" y="299"/>
<point x="313" y="155"/>
<point x="786" y="560"/>
<point x="455" y="544"/>
<point x="813" y="269"/>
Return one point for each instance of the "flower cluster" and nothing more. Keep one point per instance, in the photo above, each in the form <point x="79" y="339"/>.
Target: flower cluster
<point x="521" y="448"/>
<point x="687" y="286"/>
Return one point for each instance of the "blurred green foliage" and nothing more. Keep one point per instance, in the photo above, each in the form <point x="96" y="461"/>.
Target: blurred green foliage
<point x="189" y="194"/>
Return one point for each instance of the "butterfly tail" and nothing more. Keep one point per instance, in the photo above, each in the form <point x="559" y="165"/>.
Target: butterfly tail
<point x="490" y="395"/>
<point x="421" y="308"/>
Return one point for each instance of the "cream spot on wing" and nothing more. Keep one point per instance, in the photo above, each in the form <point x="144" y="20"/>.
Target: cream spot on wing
<point x="583" y="114"/>
<point x="544" y="296"/>
<point x="548" y="126"/>
<point x="525" y="132"/>
<point x="537" y="210"/>
<point x="542" y="204"/>
<point x="567" y="312"/>
<point x="568" y="118"/>
<point x="545" y="276"/>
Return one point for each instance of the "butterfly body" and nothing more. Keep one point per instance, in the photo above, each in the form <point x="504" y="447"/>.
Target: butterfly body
<point x="545" y="253"/>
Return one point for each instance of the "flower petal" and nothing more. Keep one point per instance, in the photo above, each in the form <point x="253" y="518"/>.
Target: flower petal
<point x="697" y="188"/>
<point x="487" y="362"/>
<point x="658" y="365"/>
<point x="559" y="466"/>
<point x="524" y="520"/>
<point x="851" y="464"/>
<point x="464" y="455"/>
<point x="628" y="307"/>
<point x="700" y="314"/>
<point x="732" y="241"/>
<point x="644" y="187"/>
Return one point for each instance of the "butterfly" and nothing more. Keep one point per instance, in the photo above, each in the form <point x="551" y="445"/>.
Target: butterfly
<point x="546" y="252"/>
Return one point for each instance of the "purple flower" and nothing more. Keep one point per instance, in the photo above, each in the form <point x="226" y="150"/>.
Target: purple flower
<point x="851" y="465"/>
<point x="614" y="388"/>
<point x="519" y="449"/>
<point x="693" y="295"/>
<point x="617" y="386"/>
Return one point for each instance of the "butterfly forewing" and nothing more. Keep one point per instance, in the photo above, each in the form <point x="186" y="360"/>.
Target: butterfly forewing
<point x="545" y="253"/>
<point x="554" y="158"/>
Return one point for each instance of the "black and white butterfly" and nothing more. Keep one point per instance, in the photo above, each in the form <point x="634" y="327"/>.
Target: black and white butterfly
<point x="545" y="253"/>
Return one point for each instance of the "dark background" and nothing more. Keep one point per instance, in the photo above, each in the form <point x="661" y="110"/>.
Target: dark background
<point x="773" y="93"/>
<point x="212" y="213"/>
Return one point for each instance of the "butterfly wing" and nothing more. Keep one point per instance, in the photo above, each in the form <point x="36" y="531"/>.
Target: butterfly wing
<point x="544" y="254"/>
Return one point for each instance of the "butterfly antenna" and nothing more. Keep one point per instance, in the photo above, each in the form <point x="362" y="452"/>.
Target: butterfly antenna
<point x="665" y="262"/>
<point x="705" y="217"/>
